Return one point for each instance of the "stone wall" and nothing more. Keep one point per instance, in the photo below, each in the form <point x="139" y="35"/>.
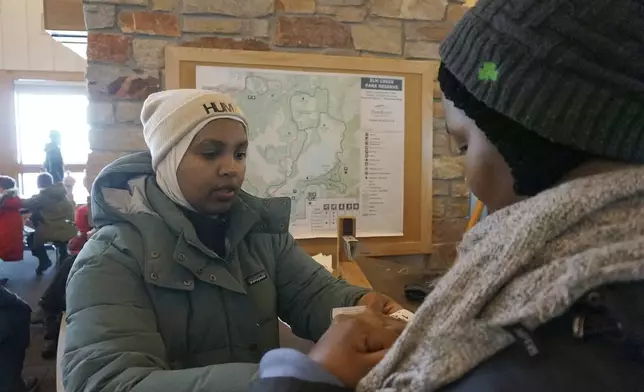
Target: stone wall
<point x="127" y="39"/>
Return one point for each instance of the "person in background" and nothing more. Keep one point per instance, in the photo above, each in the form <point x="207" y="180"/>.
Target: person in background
<point x="14" y="341"/>
<point x="181" y="287"/>
<point x="52" y="215"/>
<point x="69" y="182"/>
<point x="54" y="158"/>
<point x="82" y="222"/>
<point x="52" y="303"/>
<point x="546" y="101"/>
<point x="11" y="224"/>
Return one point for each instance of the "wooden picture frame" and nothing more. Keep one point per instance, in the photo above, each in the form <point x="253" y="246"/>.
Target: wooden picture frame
<point x="180" y="72"/>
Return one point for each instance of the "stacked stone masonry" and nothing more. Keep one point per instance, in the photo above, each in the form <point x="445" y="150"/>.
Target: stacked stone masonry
<point x="127" y="41"/>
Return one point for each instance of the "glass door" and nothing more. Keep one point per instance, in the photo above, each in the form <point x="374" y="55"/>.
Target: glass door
<point x="43" y="106"/>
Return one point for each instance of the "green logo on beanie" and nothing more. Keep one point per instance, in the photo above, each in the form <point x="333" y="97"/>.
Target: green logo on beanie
<point x="488" y="72"/>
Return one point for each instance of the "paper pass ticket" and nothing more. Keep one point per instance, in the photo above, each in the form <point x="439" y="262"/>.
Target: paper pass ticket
<point x="348" y="310"/>
<point x="403" y="314"/>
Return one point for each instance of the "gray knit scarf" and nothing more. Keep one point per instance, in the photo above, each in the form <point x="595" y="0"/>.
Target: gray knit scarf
<point x="525" y="264"/>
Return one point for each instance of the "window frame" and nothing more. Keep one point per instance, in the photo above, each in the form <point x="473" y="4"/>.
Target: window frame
<point x="10" y="82"/>
<point x="45" y="88"/>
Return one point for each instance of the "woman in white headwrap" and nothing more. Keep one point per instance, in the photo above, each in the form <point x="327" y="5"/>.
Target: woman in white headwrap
<point x="182" y="285"/>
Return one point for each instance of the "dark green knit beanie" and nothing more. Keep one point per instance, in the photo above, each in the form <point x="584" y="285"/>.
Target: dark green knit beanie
<point x="572" y="71"/>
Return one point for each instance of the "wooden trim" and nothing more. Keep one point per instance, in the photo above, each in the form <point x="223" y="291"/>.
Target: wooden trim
<point x="420" y="76"/>
<point x="15" y="169"/>
<point x="9" y="156"/>
<point x="176" y="55"/>
<point x="427" y="139"/>
<point x="352" y="273"/>
<point x="62" y="88"/>
<point x="65" y="15"/>
<point x="58" y="76"/>
<point x="74" y="168"/>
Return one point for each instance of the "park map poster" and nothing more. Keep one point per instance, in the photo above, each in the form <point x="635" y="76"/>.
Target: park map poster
<point x="331" y="142"/>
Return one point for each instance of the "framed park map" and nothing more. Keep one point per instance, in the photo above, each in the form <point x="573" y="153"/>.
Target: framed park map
<point x="338" y="136"/>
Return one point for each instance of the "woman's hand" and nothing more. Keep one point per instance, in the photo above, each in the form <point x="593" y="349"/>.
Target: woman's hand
<point x="379" y="303"/>
<point x="353" y="345"/>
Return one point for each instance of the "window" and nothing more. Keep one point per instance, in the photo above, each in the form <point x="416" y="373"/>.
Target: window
<point x="40" y="110"/>
<point x="42" y="106"/>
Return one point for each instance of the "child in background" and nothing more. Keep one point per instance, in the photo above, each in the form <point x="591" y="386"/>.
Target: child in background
<point x="52" y="216"/>
<point x="11" y="246"/>
<point x="54" y="158"/>
<point x="81" y="219"/>
<point x="68" y="183"/>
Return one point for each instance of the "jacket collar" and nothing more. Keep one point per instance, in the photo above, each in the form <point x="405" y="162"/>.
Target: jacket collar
<point x="126" y="190"/>
<point x="243" y="220"/>
<point x="247" y="214"/>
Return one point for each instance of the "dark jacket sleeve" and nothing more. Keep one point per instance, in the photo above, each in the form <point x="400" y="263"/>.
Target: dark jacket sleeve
<point x="289" y="384"/>
<point x="36" y="202"/>
<point x="288" y="370"/>
<point x="14" y="313"/>
<point x="602" y="361"/>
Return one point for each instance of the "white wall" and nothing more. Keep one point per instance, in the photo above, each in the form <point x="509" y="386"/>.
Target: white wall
<point x="26" y="46"/>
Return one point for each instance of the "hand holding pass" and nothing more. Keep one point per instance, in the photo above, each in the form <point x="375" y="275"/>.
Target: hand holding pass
<point x="354" y="344"/>
<point x="379" y="303"/>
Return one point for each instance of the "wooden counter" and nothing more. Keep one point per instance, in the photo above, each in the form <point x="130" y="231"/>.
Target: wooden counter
<point x="385" y="276"/>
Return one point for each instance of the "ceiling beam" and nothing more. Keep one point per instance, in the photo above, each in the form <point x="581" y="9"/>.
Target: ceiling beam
<point x="64" y="15"/>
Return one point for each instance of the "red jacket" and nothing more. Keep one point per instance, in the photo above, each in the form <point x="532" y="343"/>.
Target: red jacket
<point x="81" y="220"/>
<point x="11" y="246"/>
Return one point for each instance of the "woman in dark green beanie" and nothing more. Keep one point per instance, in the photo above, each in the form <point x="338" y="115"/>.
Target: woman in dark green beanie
<point x="546" y="100"/>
